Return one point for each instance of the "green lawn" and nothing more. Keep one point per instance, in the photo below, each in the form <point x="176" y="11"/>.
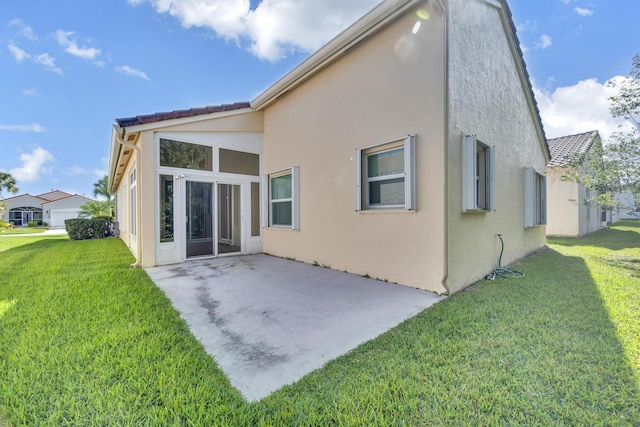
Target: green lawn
<point x="86" y="340"/>
<point x="23" y="230"/>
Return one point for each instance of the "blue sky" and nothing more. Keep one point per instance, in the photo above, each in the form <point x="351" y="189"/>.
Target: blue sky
<point x="68" y="68"/>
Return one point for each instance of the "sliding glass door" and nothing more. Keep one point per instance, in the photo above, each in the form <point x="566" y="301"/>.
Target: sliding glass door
<point x="199" y="218"/>
<point x="229" y="219"/>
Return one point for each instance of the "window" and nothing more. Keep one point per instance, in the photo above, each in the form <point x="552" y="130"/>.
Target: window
<point x="239" y="162"/>
<point x="535" y="198"/>
<point x="166" y="208"/>
<point x="283" y="198"/>
<point x="177" y="154"/>
<point x="478" y="176"/>
<point x="385" y="175"/>
<point x="132" y="201"/>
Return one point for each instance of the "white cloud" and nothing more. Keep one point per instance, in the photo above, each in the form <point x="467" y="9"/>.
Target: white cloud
<point x="583" y="12"/>
<point x="48" y="61"/>
<point x="75" y="170"/>
<point x="33" y="127"/>
<point x="30" y="92"/>
<point x="544" y="42"/>
<point x="125" y="69"/>
<point x="25" y="31"/>
<point x="71" y="46"/>
<point x="274" y="28"/>
<point x="579" y="108"/>
<point x="33" y="164"/>
<point x="19" y="54"/>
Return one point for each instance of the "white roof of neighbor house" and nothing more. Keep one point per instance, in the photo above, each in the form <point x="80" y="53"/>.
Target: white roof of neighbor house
<point x="565" y="148"/>
<point x="65" y="200"/>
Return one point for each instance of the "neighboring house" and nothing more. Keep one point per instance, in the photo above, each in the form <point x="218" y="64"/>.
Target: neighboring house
<point x="628" y="207"/>
<point x="568" y="214"/>
<point x="399" y="150"/>
<point x="51" y="208"/>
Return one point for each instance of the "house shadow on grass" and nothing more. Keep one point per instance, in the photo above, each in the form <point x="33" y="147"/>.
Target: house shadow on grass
<point x="535" y="351"/>
<point x="622" y="235"/>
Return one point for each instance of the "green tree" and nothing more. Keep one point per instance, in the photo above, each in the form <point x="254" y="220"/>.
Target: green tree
<point x="96" y="209"/>
<point x="615" y="166"/>
<point x="627" y="102"/>
<point x="101" y="188"/>
<point x="7" y="182"/>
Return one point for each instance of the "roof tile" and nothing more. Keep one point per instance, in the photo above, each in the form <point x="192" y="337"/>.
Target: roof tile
<point x="178" y="114"/>
<point x="564" y="148"/>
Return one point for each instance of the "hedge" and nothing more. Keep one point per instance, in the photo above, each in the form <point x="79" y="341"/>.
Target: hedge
<point x="85" y="228"/>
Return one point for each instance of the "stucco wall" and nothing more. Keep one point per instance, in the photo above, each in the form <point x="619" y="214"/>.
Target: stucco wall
<point x="388" y="87"/>
<point x="488" y="99"/>
<point x="568" y="215"/>
<point x="562" y="206"/>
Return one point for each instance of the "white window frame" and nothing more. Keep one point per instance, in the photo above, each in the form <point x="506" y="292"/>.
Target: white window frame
<point x="535" y="198"/>
<point x="267" y="212"/>
<point x="408" y="144"/>
<point x="478" y="181"/>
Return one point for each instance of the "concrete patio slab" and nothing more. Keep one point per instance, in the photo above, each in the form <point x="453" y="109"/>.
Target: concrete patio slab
<point x="268" y="321"/>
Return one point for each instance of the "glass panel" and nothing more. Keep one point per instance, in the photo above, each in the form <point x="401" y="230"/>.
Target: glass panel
<point x="255" y="209"/>
<point x="229" y="220"/>
<point x="183" y="155"/>
<point x="239" y="162"/>
<point x="385" y="163"/>
<point x="166" y="208"/>
<point x="281" y="213"/>
<point x="389" y="192"/>
<point x="199" y="218"/>
<point x="281" y="187"/>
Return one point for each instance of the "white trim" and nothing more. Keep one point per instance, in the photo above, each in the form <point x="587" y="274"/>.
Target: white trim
<point x="264" y="182"/>
<point x="529" y="197"/>
<point x="294" y="171"/>
<point x="491" y="178"/>
<point x="469" y="144"/>
<point x="295" y="198"/>
<point x="358" y="177"/>
<point x="408" y="145"/>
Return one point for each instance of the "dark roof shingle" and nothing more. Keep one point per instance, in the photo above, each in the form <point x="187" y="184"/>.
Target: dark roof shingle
<point x="565" y="148"/>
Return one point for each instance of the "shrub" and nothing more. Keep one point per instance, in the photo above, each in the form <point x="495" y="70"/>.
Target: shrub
<point x="32" y="223"/>
<point x="45" y="224"/>
<point x="84" y="228"/>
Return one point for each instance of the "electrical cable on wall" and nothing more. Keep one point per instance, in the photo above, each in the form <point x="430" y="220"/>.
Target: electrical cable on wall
<point x="503" y="272"/>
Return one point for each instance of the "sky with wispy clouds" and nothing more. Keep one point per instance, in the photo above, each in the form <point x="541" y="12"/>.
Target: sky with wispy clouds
<point x="69" y="68"/>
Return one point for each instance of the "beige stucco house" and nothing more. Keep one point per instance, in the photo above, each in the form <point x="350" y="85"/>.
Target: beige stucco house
<point x="51" y="208"/>
<point x="399" y="150"/>
<point x="568" y="214"/>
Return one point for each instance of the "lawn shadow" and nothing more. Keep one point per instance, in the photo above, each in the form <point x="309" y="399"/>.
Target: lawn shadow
<point x="541" y="350"/>
<point x="559" y="319"/>
<point x="623" y="235"/>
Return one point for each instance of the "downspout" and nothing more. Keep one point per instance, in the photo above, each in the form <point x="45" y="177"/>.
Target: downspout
<point x="120" y="133"/>
<point x="445" y="272"/>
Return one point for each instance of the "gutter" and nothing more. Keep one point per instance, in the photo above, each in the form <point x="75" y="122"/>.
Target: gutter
<point x="120" y="134"/>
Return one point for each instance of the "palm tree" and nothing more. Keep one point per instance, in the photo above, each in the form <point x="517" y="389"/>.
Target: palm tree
<point x="101" y="188"/>
<point x="96" y="209"/>
<point x="7" y="182"/>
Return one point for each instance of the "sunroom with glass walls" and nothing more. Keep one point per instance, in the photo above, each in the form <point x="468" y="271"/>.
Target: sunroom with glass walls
<point x="207" y="195"/>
